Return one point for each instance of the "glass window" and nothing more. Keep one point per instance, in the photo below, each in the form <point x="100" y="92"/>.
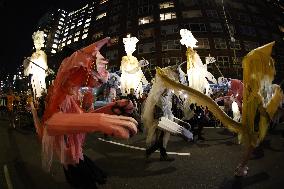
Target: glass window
<point x="100" y="16"/>
<point x="165" y="5"/>
<point x="146" y="48"/>
<point x="54" y="46"/>
<point x="87" y="25"/>
<point x="68" y="42"/>
<point x="150" y="32"/>
<point x="169" y="29"/>
<point x="202" y="43"/>
<point x="145" y="20"/>
<point x="196" y="27"/>
<point x="103" y="1"/>
<point x="191" y="14"/>
<point x="171" y="45"/>
<point x="220" y="43"/>
<point x="211" y="13"/>
<point x="188" y="3"/>
<point x="167" y="16"/>
<point x="216" y="27"/>
<point x="84" y="36"/>
<point x="235" y="45"/>
<point x="76" y="38"/>
<point x="223" y="60"/>
<point x="146" y="9"/>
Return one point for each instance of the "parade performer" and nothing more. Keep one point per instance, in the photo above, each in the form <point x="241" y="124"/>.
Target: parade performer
<point x="65" y="124"/>
<point x="158" y="119"/>
<point x="260" y="100"/>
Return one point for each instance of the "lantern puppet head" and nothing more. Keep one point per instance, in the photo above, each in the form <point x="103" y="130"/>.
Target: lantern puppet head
<point x="130" y="44"/>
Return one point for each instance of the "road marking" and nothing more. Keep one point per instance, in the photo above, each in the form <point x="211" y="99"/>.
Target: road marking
<point x="7" y="177"/>
<point x="139" y="148"/>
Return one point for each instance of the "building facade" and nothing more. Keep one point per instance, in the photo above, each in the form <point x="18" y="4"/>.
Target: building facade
<point x="225" y="29"/>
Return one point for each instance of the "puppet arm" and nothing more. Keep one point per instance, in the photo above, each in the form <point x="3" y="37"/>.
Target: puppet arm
<point x="70" y="123"/>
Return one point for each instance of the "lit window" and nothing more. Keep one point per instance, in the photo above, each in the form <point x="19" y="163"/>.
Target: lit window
<point x="168" y="16"/>
<point x="145" y="20"/>
<point x="63" y="44"/>
<point x="166" y="5"/>
<point x="101" y="16"/>
<point x="62" y="19"/>
<point x="88" y="20"/>
<point x="53" y="51"/>
<point x="76" y="38"/>
<point x="103" y="1"/>
<point x="68" y="42"/>
<point x="64" y="39"/>
<point x="54" y="45"/>
<point x="61" y="23"/>
<point x="59" y="27"/>
<point x="87" y="25"/>
<point x="84" y="36"/>
<point x="73" y="26"/>
<point x="77" y="33"/>
<point x="79" y="24"/>
<point x="86" y="30"/>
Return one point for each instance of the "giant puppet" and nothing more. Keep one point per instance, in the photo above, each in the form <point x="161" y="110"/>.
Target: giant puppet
<point x="65" y="124"/>
<point x="132" y="76"/>
<point x="36" y="65"/>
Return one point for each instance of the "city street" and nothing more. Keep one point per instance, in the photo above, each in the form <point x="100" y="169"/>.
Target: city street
<point x="204" y="164"/>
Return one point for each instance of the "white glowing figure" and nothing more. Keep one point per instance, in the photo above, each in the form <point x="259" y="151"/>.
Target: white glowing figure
<point x="187" y="38"/>
<point x="130" y="44"/>
<point x="197" y="73"/>
<point x="37" y="65"/>
<point x="132" y="76"/>
<point x="236" y="111"/>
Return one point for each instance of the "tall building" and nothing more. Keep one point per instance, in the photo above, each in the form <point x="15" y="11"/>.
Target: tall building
<point x="225" y="29"/>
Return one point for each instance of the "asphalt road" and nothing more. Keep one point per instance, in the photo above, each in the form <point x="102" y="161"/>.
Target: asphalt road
<point x="210" y="165"/>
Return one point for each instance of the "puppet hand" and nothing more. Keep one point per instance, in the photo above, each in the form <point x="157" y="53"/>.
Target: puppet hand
<point x="121" y="126"/>
<point x="70" y="123"/>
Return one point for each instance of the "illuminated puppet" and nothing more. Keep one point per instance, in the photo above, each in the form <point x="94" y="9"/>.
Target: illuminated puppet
<point x="260" y="100"/>
<point x="65" y="123"/>
<point x="197" y="73"/>
<point x="37" y="65"/>
<point x="132" y="76"/>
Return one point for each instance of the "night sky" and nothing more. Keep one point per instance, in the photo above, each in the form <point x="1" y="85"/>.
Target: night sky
<point x="18" y="22"/>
